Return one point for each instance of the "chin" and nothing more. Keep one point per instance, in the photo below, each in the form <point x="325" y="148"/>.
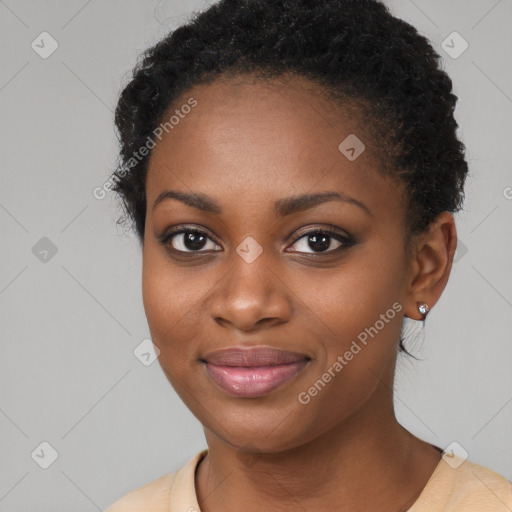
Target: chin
<point x="259" y="429"/>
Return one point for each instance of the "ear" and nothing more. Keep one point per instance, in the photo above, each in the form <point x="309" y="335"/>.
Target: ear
<point x="430" y="264"/>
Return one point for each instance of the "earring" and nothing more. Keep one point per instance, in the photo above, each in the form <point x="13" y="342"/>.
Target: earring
<point x="423" y="308"/>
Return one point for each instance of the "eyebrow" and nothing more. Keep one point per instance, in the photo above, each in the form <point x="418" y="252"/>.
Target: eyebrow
<point x="282" y="207"/>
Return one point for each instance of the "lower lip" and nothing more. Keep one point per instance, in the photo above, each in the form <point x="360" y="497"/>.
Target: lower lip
<point x="253" y="381"/>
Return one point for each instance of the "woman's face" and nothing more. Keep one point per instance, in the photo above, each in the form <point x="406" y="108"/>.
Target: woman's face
<point x="257" y="275"/>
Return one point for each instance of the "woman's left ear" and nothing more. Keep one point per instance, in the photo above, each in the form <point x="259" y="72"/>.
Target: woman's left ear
<point x="430" y="266"/>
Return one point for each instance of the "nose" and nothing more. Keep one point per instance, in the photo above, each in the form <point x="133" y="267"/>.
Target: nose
<point x="250" y="295"/>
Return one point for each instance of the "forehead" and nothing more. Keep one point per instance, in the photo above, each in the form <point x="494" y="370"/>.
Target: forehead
<point x="251" y="137"/>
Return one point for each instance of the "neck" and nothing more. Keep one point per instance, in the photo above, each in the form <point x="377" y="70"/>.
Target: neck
<point x="367" y="461"/>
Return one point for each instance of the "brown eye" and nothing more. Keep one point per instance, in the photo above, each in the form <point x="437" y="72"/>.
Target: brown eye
<point x="189" y="240"/>
<point x="322" y="241"/>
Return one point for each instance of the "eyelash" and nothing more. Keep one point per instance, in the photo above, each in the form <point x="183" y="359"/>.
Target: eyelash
<point x="346" y="240"/>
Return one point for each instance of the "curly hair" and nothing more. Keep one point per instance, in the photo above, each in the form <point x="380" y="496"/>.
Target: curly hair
<point x="359" y="54"/>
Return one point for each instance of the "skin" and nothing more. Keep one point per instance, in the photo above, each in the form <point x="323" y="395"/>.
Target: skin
<point x="247" y="144"/>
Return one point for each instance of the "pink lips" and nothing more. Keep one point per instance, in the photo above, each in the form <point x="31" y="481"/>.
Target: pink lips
<point x="254" y="371"/>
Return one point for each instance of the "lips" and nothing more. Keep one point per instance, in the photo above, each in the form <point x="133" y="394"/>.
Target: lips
<point x="253" y="372"/>
<point x="254" y="356"/>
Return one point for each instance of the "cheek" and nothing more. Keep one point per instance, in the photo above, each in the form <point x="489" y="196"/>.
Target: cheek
<point x="156" y="292"/>
<point x="354" y="296"/>
<point x="360" y="307"/>
<point x="172" y="298"/>
<point x="165" y="292"/>
<point x="165" y="303"/>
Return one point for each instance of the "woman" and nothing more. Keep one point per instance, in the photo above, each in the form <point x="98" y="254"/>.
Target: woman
<point x="291" y="169"/>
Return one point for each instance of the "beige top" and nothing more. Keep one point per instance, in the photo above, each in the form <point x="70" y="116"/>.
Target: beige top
<point x="455" y="486"/>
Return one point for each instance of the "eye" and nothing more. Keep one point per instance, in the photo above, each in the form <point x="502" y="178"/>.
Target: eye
<point x="188" y="241"/>
<point x="320" y="240"/>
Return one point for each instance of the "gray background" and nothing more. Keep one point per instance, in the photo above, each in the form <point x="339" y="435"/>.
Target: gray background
<point x="70" y="321"/>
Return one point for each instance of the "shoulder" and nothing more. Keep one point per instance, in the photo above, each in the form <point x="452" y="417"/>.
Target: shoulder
<point x="482" y="488"/>
<point x="154" y="494"/>
<point x="168" y="492"/>
<point x="460" y="485"/>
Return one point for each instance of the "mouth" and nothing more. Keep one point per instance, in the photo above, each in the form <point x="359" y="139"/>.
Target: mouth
<point x="253" y="372"/>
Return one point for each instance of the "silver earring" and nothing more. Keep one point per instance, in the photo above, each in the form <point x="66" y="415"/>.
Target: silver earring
<point x="423" y="308"/>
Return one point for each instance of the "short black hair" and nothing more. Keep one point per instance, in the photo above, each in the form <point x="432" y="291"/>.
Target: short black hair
<point x="355" y="49"/>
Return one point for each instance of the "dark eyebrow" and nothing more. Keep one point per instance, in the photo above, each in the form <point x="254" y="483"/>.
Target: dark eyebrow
<point x="282" y="207"/>
<point x="199" y="201"/>
<point x="291" y="205"/>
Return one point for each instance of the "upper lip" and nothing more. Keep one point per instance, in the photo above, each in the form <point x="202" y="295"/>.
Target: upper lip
<point x="253" y="356"/>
